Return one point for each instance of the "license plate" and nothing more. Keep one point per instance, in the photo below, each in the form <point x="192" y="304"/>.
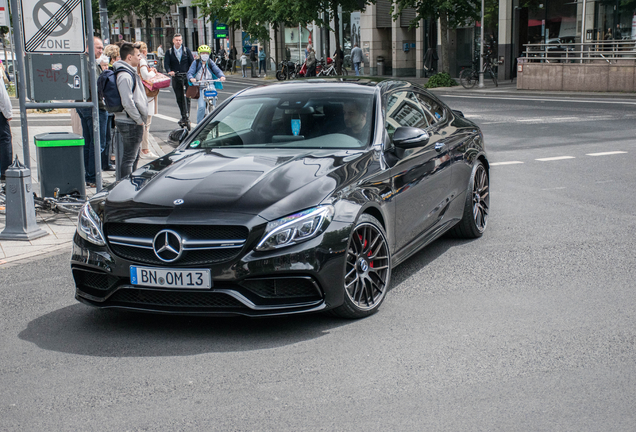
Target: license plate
<point x="170" y="278"/>
<point x="210" y="93"/>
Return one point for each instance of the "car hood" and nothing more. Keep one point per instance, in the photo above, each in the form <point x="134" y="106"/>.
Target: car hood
<point x="271" y="183"/>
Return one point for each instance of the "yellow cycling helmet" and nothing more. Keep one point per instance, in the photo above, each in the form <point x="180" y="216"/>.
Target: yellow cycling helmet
<point x="205" y="48"/>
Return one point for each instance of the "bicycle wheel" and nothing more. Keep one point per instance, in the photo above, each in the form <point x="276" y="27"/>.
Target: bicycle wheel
<point x="467" y="78"/>
<point x="344" y="71"/>
<point x="69" y="205"/>
<point x="494" y="77"/>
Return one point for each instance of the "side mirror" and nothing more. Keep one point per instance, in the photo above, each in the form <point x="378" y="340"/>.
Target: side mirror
<point x="177" y="136"/>
<point x="410" y="137"/>
<point x="458" y="113"/>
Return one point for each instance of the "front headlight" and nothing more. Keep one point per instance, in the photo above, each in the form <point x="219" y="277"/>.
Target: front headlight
<point x="89" y="225"/>
<point x="296" y="228"/>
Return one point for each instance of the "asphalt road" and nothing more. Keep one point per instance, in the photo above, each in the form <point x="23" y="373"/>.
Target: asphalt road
<point x="530" y="328"/>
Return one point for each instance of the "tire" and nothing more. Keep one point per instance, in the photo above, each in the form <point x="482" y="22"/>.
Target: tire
<point x="477" y="206"/>
<point x="367" y="272"/>
<point x="467" y="79"/>
<point x="280" y="76"/>
<point x="494" y="78"/>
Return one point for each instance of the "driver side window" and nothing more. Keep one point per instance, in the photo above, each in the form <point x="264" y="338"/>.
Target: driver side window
<point x="403" y="109"/>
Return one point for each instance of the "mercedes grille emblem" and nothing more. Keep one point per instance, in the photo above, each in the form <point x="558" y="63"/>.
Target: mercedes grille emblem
<point x="167" y="245"/>
<point x="178" y="202"/>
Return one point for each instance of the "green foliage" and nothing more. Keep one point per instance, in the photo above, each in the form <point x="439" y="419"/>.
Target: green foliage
<point x="142" y="8"/>
<point x="441" y="79"/>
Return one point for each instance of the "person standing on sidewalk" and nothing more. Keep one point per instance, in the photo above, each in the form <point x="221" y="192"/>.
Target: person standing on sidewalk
<point x="261" y="62"/>
<point x="160" y="54"/>
<point x="244" y="65"/>
<point x="86" y="115"/>
<point x="6" y="148"/>
<point x="147" y="73"/>
<point x="311" y="63"/>
<point x="233" y="56"/>
<point x="356" y="58"/>
<point x="254" y="61"/>
<point x="132" y="120"/>
<point x="178" y="60"/>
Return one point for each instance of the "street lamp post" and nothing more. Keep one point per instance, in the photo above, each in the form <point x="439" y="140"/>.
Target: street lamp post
<point x="481" y="49"/>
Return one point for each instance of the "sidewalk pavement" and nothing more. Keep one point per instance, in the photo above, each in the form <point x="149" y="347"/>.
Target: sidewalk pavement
<point x="60" y="227"/>
<point x="505" y="88"/>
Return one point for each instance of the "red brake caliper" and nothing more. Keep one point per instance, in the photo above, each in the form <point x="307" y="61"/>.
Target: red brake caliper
<point x="365" y="245"/>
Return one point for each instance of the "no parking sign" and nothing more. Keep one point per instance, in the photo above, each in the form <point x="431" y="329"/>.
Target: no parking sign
<point x="53" y="26"/>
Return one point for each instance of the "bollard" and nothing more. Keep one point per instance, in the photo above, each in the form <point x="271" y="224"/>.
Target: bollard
<point x="21" y="224"/>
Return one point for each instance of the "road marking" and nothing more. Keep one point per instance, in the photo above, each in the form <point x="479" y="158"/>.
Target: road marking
<point x="565" y="118"/>
<point x="606" y="153"/>
<point x="555" y="158"/>
<point x="172" y="119"/>
<point x="506" y="163"/>
<point x="554" y="188"/>
<point x="520" y="97"/>
<point x="165" y="91"/>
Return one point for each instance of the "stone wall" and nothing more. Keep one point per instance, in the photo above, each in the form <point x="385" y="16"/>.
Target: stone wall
<point x="606" y="77"/>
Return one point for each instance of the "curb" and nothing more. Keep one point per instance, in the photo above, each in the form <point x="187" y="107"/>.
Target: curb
<point x="39" y="253"/>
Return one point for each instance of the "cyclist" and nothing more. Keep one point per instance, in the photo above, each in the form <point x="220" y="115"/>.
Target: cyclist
<point x="198" y="73"/>
<point x="176" y="63"/>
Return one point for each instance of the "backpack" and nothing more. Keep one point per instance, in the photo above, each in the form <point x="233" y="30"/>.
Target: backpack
<point x="217" y="85"/>
<point x="107" y="89"/>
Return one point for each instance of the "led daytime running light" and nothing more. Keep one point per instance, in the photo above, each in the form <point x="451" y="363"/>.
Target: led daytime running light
<point x="295" y="228"/>
<point x="88" y="226"/>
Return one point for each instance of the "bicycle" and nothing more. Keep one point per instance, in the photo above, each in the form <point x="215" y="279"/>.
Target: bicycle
<point x="209" y="93"/>
<point x="469" y="77"/>
<point x="70" y="204"/>
<point x="331" y="70"/>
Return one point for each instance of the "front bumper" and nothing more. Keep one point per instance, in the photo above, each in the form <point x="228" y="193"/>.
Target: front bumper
<point x="303" y="278"/>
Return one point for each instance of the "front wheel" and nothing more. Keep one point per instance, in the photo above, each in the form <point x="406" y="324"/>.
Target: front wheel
<point x="280" y="76"/>
<point x="367" y="271"/>
<point x="467" y="79"/>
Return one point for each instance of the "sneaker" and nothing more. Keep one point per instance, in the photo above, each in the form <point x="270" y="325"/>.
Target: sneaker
<point x="149" y="155"/>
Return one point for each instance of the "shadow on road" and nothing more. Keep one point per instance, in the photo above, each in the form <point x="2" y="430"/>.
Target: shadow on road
<point x="82" y="330"/>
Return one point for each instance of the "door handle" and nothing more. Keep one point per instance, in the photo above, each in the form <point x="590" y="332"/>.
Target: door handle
<point x="440" y="147"/>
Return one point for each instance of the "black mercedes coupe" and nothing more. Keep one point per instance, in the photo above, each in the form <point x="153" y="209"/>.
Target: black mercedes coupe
<point x="289" y="198"/>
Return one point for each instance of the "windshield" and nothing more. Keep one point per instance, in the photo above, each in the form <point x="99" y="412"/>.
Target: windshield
<point x="324" y="120"/>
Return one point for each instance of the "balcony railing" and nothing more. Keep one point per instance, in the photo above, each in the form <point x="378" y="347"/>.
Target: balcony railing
<point x="556" y="51"/>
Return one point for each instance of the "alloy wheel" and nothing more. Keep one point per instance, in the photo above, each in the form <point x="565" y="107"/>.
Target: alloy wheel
<point x="481" y="198"/>
<point x="367" y="268"/>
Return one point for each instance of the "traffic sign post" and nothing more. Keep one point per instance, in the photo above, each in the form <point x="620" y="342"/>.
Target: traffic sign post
<point x="45" y="27"/>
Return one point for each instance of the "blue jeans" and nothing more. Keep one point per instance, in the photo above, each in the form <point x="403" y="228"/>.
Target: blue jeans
<point x="261" y="65"/>
<point x="200" y="107"/>
<point x="6" y="149"/>
<point x="356" y="66"/>
<point x="86" y="115"/>
<point x="131" y="135"/>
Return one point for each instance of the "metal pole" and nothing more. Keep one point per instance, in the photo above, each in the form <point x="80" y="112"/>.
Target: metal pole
<point x="103" y="21"/>
<point x="94" y="97"/>
<point x="583" y="28"/>
<point x="20" y="78"/>
<point x="481" y="49"/>
<point x="12" y="50"/>
<point x="300" y="47"/>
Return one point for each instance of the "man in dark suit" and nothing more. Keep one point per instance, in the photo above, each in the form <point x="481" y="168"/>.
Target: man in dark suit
<point x="178" y="60"/>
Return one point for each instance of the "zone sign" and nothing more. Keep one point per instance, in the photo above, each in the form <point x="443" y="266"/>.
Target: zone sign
<point x="53" y="26"/>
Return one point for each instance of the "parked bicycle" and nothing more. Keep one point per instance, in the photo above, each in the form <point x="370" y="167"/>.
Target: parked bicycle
<point x="469" y="77"/>
<point x="330" y="69"/>
<point x="70" y="204"/>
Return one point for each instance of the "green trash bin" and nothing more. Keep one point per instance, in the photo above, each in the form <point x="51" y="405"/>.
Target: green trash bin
<point x="61" y="163"/>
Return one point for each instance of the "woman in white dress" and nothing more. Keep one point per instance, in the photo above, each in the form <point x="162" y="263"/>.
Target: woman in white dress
<point x="153" y="103"/>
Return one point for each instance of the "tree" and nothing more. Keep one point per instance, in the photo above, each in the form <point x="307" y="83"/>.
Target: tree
<point x="145" y="9"/>
<point x="451" y="14"/>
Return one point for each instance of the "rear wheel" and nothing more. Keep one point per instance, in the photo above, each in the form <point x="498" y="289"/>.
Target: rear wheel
<point x="476" y="207"/>
<point x="467" y="79"/>
<point x="367" y="272"/>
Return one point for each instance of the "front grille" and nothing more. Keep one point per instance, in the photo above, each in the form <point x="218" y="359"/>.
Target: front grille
<point x="93" y="280"/>
<point x="282" y="287"/>
<point x="131" y="297"/>
<point x="189" y="258"/>
<point x="194" y="232"/>
<point x="133" y="242"/>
